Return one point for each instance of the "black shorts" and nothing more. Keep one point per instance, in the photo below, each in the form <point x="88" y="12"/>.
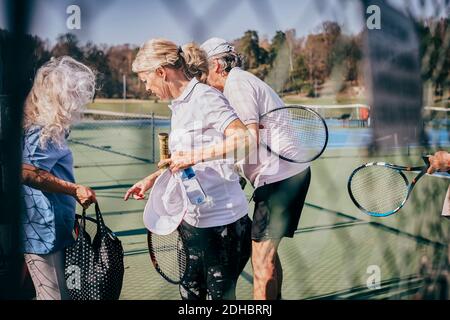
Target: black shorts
<point x="217" y="256"/>
<point x="278" y="207"/>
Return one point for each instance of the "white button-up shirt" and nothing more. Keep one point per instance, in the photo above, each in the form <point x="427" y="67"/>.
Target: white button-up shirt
<point x="200" y="116"/>
<point x="251" y="97"/>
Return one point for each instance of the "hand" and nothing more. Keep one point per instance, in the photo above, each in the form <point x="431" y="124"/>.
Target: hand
<point x="85" y="196"/>
<point x="164" y="163"/>
<point x="182" y="160"/>
<point x="440" y="161"/>
<point x="139" y="188"/>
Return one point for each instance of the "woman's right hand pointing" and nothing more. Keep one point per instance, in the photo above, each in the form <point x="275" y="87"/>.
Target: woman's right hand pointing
<point x="139" y="188"/>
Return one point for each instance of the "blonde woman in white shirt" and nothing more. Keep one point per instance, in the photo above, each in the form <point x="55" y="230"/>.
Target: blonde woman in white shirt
<point x="203" y="125"/>
<point x="281" y="187"/>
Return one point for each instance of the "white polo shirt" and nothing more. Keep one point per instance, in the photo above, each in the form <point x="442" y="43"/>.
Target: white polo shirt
<point x="199" y="117"/>
<point x="251" y="97"/>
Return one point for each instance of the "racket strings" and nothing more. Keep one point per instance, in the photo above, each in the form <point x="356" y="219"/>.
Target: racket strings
<point x="379" y="189"/>
<point x="294" y="133"/>
<point x="170" y="255"/>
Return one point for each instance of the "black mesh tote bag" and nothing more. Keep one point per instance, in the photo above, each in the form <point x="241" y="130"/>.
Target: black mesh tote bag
<point x="94" y="263"/>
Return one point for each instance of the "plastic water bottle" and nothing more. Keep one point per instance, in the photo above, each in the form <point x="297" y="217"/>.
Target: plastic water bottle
<point x="193" y="188"/>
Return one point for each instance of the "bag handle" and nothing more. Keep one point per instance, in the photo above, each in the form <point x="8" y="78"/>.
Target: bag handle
<point x="101" y="227"/>
<point x="81" y="225"/>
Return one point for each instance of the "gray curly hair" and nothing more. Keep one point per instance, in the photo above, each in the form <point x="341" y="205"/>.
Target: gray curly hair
<point x="61" y="89"/>
<point x="228" y="60"/>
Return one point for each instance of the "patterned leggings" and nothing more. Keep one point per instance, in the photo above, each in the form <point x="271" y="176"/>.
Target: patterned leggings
<point x="217" y="256"/>
<point x="47" y="272"/>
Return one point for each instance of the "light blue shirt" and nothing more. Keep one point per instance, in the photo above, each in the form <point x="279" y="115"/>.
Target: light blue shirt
<point x="50" y="217"/>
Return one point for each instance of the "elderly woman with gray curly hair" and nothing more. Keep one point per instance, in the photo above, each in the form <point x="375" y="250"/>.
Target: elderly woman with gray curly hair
<point x="61" y="89"/>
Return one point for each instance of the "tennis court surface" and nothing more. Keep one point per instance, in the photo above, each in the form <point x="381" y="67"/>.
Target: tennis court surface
<point x="335" y="246"/>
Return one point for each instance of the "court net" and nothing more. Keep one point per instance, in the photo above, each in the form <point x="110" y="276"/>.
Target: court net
<point x="359" y="115"/>
<point x="116" y="138"/>
<point x="349" y="115"/>
<point x="122" y="138"/>
<point x="436" y="122"/>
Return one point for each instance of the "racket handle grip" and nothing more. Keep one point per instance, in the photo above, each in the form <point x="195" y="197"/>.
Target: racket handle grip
<point x="163" y="147"/>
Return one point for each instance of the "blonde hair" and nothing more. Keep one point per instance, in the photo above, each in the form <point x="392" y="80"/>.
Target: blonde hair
<point x="61" y="89"/>
<point x="163" y="53"/>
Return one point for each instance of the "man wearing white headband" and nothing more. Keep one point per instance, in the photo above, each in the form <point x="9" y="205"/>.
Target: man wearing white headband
<point x="281" y="187"/>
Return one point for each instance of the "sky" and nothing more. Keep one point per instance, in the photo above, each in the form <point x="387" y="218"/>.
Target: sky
<point x="135" y="21"/>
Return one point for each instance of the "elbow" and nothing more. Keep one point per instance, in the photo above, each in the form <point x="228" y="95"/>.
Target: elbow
<point x="23" y="178"/>
<point x="250" y="141"/>
<point x="246" y="144"/>
<point x="29" y="175"/>
<point x="26" y="178"/>
<point x="24" y="175"/>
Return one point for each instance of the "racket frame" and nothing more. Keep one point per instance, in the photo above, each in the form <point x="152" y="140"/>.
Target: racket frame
<point x="164" y="154"/>
<point x="400" y="169"/>
<point x="303" y="108"/>
<point x="155" y="261"/>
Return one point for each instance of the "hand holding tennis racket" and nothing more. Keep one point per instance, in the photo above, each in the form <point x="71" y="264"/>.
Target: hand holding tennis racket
<point x="294" y="133"/>
<point x="380" y="189"/>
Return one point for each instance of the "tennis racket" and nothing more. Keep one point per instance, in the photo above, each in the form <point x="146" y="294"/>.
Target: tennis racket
<point x="380" y="189"/>
<point x="294" y="133"/>
<point x="168" y="253"/>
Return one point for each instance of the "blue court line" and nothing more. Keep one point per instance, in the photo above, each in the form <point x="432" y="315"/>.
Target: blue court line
<point x="363" y="292"/>
<point x="338" y="213"/>
<point x="135" y="252"/>
<point x="113" y="213"/>
<point x="114" y="186"/>
<point x="247" y="277"/>
<point x="330" y="226"/>
<point x="95" y="165"/>
<point x="110" y="151"/>
<point x="354" y="222"/>
<point x="141" y="231"/>
<point x="356" y="290"/>
<point x="396" y="231"/>
<point x="417" y="238"/>
<point x="244" y="274"/>
<point x="132" y="232"/>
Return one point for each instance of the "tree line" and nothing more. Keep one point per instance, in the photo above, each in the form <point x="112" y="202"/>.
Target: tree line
<point x="290" y="64"/>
